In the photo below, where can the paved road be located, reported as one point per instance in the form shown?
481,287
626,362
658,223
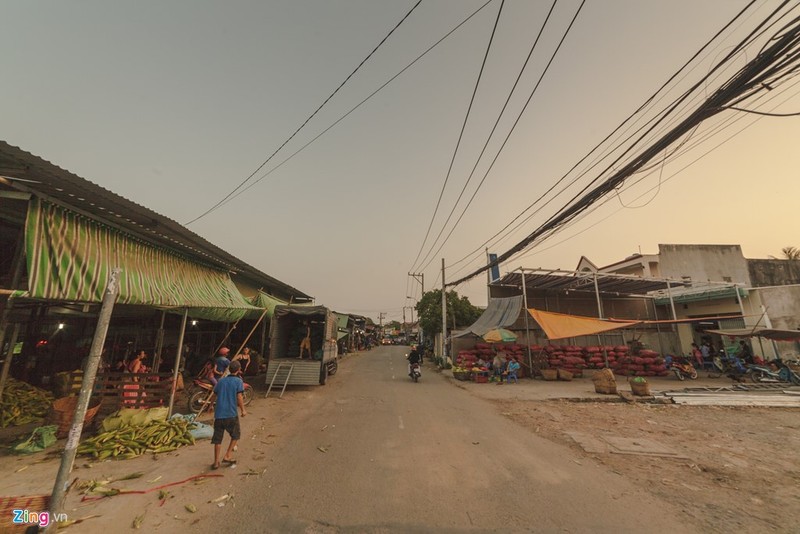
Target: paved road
400,456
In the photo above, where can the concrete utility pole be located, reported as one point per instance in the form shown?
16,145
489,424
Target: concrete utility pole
444,318
419,277
89,374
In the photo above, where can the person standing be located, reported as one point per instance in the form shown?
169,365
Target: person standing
697,355
229,393
305,345
498,366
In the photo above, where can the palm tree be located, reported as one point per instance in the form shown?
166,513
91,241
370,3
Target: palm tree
791,253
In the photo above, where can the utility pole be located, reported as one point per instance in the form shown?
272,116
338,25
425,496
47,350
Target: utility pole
419,277
89,374
380,322
444,319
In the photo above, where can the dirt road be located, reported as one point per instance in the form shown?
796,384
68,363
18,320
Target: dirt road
374,452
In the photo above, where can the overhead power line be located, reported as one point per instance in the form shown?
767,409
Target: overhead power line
511,131
226,197
488,139
479,249
777,62
460,135
365,100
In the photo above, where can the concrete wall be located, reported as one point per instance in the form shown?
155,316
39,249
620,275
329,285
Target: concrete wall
774,272
783,308
716,263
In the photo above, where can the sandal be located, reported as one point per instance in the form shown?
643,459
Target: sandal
214,467
233,461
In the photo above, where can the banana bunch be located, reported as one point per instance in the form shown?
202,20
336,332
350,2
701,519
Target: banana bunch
22,403
131,441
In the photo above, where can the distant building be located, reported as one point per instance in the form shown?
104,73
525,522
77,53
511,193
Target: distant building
707,279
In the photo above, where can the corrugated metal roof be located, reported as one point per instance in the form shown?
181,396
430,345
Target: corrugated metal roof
53,183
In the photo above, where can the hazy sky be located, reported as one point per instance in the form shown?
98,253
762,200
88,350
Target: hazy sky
172,104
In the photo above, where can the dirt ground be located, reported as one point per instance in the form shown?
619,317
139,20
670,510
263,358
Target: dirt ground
739,472
742,472
34,474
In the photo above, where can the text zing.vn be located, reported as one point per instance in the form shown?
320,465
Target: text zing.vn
42,519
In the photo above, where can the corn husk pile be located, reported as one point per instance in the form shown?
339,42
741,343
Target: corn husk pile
22,403
130,441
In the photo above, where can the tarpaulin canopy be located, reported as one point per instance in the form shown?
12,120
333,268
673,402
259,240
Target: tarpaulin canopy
263,301
70,258
560,325
499,313
773,334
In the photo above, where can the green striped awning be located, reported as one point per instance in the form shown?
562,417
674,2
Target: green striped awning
70,258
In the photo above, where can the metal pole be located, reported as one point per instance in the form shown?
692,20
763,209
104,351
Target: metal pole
527,328
768,323
89,374
444,319
422,277
739,300
600,316
658,328
177,365
10,355
671,302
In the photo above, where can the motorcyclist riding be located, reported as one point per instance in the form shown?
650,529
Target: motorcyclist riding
415,356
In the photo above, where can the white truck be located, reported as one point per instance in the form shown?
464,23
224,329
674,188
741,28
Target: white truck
290,362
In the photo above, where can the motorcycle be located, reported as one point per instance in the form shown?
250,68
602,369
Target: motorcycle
201,393
729,365
783,373
682,368
415,371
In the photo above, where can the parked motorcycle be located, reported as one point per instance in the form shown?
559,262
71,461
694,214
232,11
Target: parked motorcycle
682,368
729,365
781,373
201,393
415,371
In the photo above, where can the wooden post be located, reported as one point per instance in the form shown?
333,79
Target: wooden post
177,365
9,356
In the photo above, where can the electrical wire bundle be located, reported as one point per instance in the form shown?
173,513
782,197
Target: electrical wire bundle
775,64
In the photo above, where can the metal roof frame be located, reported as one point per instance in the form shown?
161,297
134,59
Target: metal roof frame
557,280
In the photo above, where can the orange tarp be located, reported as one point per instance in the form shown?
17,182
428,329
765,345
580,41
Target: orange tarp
560,326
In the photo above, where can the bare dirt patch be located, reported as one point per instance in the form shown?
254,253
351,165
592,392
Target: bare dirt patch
742,472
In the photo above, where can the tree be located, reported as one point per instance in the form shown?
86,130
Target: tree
791,253
394,325
429,311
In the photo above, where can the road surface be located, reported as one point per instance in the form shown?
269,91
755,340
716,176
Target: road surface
374,452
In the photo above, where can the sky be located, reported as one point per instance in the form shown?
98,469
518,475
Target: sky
174,104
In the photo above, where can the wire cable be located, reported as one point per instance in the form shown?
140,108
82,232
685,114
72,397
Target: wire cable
511,131
607,138
218,204
354,108
491,133
460,135
768,68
